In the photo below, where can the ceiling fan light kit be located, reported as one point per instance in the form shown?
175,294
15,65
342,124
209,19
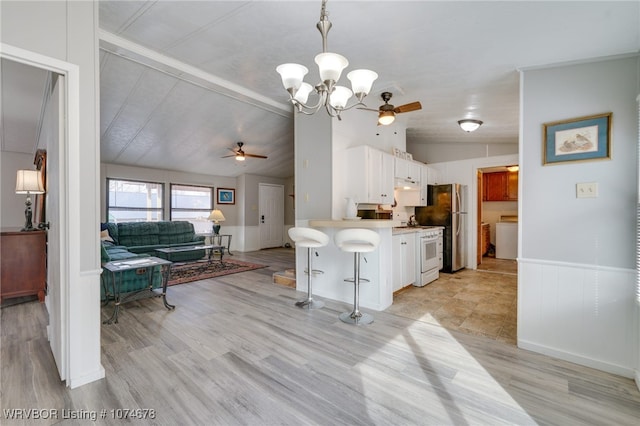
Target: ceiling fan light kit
240,155
469,125
333,97
387,112
386,117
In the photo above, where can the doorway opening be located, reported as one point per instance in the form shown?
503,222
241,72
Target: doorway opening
497,219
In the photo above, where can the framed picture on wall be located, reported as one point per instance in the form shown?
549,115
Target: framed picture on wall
577,139
226,196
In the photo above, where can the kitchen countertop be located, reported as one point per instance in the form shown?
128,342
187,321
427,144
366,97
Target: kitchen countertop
409,229
364,223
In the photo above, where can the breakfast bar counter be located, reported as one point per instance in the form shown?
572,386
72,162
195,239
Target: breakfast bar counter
377,294
365,223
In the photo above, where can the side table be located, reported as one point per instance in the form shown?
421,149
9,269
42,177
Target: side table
216,239
116,269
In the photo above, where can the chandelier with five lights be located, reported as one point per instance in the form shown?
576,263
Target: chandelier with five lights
330,95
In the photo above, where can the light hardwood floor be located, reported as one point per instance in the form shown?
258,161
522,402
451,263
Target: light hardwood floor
237,351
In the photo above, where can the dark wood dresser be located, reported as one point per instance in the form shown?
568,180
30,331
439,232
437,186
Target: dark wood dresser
23,260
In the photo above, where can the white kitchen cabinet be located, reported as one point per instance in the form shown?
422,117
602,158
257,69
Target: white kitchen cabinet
433,176
407,170
369,175
424,188
404,260
429,176
441,248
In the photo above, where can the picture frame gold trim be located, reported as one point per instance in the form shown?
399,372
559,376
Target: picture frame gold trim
577,139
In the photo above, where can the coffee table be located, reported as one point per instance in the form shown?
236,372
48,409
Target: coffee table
212,248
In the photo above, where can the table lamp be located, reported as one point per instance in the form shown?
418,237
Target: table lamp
28,182
216,216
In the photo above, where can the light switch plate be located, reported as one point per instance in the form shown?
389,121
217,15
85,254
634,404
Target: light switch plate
587,190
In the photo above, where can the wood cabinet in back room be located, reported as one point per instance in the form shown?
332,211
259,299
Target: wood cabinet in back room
500,186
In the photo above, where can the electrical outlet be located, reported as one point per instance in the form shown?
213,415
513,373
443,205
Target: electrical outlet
587,190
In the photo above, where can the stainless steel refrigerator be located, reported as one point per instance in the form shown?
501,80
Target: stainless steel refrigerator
447,206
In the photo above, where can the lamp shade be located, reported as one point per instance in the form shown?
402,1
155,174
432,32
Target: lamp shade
302,95
29,182
330,66
292,75
216,216
362,80
469,125
339,97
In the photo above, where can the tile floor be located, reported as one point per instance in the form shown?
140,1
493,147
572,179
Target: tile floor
481,302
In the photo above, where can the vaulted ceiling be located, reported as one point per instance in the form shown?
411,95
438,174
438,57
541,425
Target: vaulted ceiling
181,82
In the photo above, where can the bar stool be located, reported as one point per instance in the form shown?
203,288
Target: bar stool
311,239
356,241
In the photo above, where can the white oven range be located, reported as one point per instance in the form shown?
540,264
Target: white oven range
429,252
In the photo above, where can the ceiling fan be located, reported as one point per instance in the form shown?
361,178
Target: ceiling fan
241,155
387,112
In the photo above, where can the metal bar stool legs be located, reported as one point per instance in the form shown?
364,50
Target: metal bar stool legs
356,316
309,302
310,239
356,241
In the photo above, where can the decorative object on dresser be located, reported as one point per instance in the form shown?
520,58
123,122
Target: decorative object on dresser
216,216
29,182
23,264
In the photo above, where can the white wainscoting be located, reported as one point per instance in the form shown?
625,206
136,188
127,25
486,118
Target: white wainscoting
247,238
581,313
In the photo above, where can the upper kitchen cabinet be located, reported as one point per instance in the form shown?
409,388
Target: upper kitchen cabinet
429,176
407,170
500,186
369,175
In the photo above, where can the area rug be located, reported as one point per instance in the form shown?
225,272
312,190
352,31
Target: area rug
193,271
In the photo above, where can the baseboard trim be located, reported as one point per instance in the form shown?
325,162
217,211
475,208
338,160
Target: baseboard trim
87,378
581,360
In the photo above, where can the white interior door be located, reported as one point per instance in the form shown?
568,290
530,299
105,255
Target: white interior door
271,215
55,298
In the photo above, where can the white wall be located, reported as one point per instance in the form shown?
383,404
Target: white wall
167,177
435,152
65,31
576,256
241,218
313,166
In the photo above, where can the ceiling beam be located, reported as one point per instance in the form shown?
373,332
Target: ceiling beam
127,49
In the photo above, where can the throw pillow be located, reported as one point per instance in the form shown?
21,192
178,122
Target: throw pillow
104,236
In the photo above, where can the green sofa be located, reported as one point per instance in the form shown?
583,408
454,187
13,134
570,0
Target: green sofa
146,237
136,239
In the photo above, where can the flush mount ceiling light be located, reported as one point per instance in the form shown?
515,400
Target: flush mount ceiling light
333,97
469,125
